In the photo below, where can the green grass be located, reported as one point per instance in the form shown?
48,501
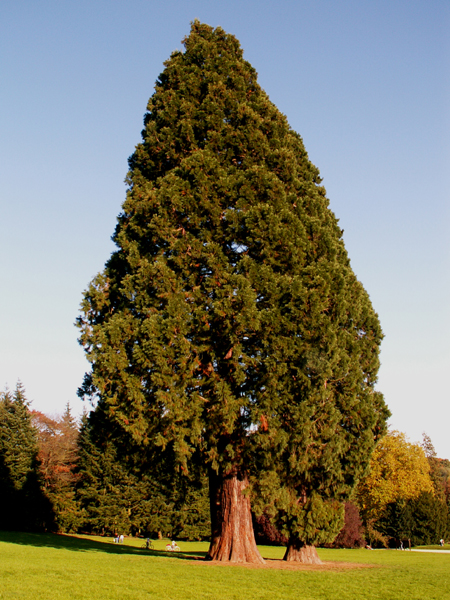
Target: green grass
55,567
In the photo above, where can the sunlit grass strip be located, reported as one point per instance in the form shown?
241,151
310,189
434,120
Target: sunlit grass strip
62,567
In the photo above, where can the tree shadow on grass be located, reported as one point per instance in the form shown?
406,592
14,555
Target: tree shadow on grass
78,544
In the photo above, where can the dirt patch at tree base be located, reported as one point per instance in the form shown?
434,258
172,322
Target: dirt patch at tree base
293,566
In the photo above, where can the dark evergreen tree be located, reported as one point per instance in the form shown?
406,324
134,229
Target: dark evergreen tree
423,520
397,522
228,325
110,498
23,506
430,519
122,490
190,515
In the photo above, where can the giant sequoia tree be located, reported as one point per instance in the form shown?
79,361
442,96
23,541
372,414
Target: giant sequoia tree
228,324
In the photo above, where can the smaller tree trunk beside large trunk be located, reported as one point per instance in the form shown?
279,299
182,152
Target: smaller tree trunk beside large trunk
298,551
232,536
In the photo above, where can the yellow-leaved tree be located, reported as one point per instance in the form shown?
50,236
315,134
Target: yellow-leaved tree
398,469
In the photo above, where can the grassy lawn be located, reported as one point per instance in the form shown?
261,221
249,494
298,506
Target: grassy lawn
55,567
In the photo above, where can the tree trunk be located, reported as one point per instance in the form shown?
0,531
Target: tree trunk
232,537
298,551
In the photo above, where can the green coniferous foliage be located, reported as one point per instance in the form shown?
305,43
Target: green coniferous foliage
122,490
23,506
431,516
423,520
190,517
228,324
106,492
397,522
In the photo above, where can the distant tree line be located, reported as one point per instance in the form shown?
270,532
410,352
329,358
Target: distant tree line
61,475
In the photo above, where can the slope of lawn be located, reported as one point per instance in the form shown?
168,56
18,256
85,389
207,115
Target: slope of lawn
91,568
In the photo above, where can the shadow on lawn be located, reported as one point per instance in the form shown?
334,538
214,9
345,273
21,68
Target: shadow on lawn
77,544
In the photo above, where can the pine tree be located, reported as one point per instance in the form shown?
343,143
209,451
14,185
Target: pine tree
122,490
421,520
228,325
190,515
106,492
22,503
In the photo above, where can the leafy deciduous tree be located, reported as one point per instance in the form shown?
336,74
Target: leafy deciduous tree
399,470
57,443
439,468
352,533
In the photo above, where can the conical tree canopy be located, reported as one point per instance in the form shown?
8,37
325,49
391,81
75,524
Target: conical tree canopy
228,323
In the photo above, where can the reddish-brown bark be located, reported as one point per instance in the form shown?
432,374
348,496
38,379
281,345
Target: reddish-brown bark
232,537
300,552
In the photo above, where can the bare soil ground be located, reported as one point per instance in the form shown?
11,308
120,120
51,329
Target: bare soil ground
292,566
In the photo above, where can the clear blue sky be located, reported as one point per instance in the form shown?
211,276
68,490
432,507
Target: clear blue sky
366,84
